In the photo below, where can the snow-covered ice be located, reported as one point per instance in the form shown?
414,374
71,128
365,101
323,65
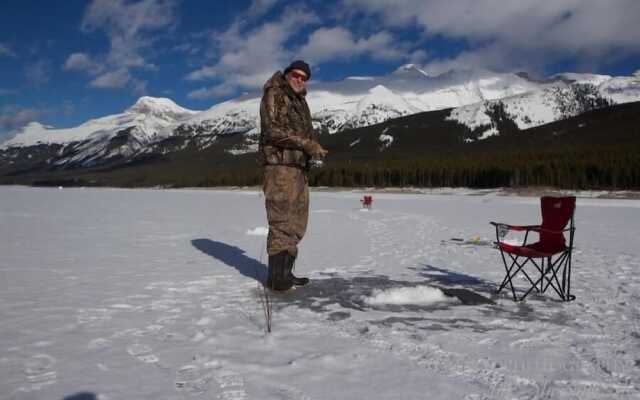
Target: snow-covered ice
258,231
155,294
407,295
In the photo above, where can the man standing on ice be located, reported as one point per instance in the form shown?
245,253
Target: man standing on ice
287,144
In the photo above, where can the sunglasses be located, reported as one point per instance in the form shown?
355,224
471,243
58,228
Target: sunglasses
298,75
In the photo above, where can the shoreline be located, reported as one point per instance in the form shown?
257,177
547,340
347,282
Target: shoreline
460,191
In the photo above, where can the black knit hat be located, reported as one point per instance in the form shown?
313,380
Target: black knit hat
301,65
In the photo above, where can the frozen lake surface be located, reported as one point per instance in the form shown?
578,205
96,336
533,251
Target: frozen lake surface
154,294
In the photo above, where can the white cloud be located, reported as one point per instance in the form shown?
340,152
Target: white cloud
418,56
126,23
327,44
112,80
215,91
119,79
517,31
13,118
206,72
492,57
82,62
248,57
129,27
260,7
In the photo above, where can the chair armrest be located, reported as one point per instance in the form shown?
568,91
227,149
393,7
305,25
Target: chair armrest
517,227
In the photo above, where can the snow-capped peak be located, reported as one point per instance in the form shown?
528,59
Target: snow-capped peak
379,105
149,116
381,95
35,126
159,106
354,102
380,90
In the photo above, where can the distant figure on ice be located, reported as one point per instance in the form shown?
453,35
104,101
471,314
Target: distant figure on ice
287,144
367,201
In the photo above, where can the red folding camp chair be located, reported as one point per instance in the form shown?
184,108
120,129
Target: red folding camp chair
557,213
367,201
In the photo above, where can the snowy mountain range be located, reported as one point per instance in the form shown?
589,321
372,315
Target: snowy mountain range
151,125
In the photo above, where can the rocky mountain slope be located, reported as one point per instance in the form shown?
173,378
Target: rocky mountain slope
483,103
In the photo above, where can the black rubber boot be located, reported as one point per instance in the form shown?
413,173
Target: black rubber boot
291,261
278,278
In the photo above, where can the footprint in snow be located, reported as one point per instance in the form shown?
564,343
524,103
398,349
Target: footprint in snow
229,379
38,371
287,393
232,384
142,352
99,344
193,379
233,395
93,316
38,364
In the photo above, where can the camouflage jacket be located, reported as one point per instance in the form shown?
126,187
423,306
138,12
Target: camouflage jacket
285,125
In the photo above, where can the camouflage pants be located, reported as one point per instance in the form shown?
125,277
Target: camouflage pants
286,193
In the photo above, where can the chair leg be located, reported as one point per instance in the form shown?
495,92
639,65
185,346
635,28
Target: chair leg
554,267
540,269
570,297
564,280
550,274
527,292
511,274
549,271
566,276
507,277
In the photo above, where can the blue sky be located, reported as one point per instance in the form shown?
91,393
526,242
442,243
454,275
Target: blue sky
64,62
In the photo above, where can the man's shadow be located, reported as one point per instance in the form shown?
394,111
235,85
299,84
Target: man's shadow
82,396
234,257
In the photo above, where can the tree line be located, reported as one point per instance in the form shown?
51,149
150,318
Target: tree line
603,168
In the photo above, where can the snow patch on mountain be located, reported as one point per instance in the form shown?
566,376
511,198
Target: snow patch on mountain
379,105
593,79
560,99
473,89
337,111
385,141
229,117
527,110
621,89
